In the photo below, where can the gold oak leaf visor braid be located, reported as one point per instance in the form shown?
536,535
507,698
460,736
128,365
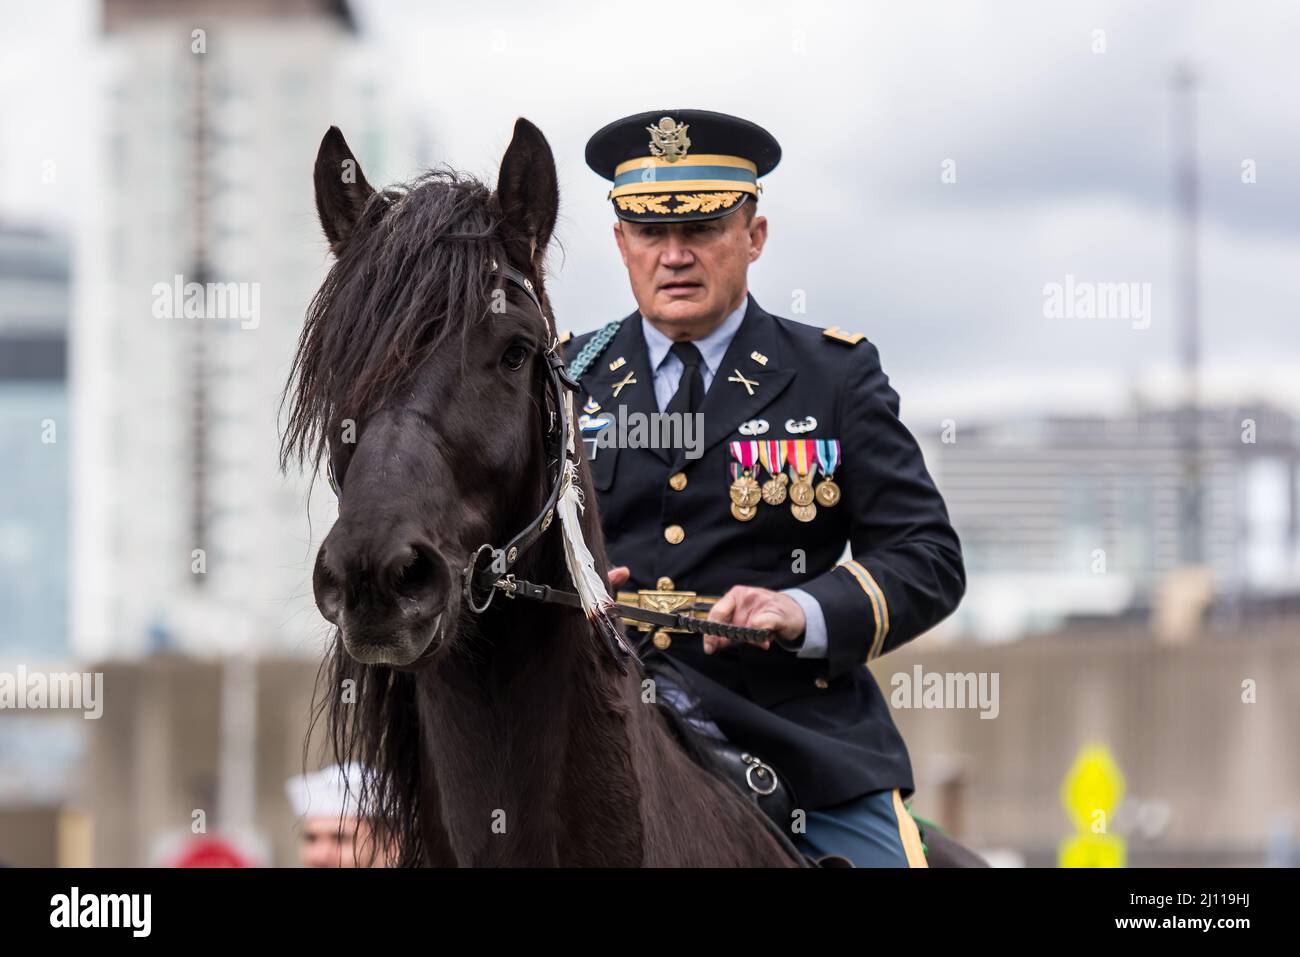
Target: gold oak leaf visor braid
650,188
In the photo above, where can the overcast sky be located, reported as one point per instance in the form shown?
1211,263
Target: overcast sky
1062,155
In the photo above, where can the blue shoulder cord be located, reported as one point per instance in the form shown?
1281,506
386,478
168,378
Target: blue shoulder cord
592,350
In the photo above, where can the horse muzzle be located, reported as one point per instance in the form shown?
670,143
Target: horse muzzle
391,604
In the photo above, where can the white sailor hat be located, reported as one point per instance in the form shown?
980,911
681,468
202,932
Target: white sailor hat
330,792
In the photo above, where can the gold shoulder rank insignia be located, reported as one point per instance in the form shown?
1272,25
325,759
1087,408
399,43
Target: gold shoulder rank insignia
565,336
839,335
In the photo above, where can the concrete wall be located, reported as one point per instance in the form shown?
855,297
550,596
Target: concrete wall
153,758
1222,774
1228,772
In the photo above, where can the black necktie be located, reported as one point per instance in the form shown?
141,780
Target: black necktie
690,390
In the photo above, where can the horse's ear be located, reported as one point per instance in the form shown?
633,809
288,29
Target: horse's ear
341,188
528,188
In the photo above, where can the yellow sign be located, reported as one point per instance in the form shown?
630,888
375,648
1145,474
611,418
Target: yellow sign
1092,850
1090,793
1093,783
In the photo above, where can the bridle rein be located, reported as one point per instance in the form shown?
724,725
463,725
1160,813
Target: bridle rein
489,568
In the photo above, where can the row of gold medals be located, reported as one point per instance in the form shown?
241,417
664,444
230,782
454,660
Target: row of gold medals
804,498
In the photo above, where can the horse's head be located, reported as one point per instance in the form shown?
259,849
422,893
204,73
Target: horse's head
419,374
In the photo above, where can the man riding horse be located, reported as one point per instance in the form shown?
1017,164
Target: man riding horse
801,453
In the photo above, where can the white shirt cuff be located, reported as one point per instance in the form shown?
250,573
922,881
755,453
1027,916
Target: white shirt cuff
814,634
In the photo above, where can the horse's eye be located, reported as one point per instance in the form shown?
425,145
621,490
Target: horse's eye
514,357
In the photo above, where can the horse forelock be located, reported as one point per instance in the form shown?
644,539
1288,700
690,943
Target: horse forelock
415,273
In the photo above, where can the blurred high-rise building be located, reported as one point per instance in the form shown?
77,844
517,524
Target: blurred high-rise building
35,435
1064,516
186,536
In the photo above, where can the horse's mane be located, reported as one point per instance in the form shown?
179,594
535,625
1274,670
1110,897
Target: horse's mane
378,727
412,273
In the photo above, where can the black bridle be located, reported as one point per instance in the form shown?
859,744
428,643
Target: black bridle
489,568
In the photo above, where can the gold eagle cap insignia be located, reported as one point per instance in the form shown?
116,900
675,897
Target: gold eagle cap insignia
669,140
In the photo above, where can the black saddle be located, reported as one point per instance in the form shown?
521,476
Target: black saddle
756,779
745,771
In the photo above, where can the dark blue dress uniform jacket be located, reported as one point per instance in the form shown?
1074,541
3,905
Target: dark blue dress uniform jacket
823,723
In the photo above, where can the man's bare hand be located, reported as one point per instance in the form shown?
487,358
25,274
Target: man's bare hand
756,608
619,576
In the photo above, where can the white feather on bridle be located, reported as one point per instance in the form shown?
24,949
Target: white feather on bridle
596,602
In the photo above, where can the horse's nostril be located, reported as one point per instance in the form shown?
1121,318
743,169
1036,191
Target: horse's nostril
413,573
327,588
406,585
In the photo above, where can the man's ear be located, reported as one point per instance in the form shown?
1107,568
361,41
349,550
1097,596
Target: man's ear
341,188
528,188
620,239
757,237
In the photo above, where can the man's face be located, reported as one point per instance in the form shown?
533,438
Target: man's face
331,842
687,277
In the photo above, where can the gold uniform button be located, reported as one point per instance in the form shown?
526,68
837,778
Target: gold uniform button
661,640
821,683
665,584
678,481
674,534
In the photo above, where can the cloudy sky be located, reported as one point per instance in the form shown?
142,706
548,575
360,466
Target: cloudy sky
1056,120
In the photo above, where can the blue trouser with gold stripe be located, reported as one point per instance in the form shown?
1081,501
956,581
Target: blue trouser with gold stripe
874,830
